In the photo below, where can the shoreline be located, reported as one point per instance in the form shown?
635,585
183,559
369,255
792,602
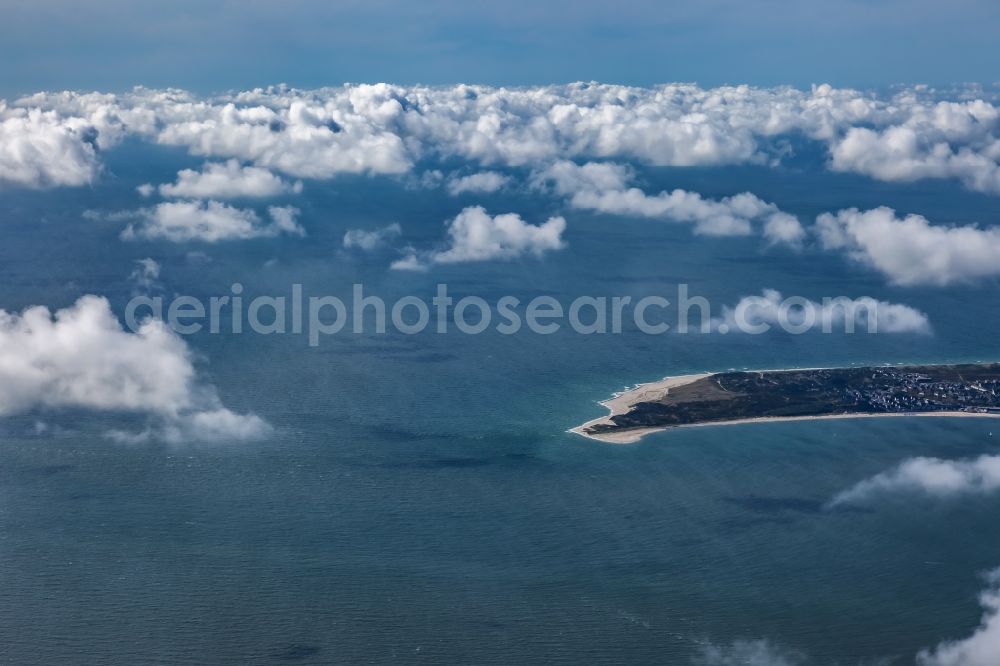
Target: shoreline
634,435
620,403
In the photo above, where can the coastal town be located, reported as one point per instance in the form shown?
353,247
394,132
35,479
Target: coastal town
892,391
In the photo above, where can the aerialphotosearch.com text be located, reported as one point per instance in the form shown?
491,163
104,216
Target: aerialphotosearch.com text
365,313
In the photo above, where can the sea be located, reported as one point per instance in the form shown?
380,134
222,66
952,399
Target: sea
420,500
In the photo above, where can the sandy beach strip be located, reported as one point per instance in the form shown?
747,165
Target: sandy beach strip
620,403
633,435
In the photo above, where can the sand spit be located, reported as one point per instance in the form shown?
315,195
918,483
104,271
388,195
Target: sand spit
620,403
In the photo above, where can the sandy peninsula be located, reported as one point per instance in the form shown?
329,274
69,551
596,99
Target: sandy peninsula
621,403
624,402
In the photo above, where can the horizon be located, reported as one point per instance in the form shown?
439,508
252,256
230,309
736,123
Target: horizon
219,45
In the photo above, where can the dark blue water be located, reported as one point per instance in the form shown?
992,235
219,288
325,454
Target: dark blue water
420,500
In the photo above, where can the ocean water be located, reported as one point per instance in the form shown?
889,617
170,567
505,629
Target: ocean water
421,501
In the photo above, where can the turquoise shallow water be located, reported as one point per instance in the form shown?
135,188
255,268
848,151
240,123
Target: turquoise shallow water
421,502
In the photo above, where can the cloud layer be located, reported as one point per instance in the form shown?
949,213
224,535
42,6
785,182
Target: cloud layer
80,357
50,138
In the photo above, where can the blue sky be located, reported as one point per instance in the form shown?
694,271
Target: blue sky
214,45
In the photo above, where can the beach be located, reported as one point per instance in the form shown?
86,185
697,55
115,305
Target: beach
620,403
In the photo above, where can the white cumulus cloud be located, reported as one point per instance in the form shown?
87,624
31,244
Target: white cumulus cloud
603,187
864,314
933,140
933,477
483,182
910,250
146,275
411,261
781,227
40,149
367,240
475,235
983,646
81,357
227,180
209,221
